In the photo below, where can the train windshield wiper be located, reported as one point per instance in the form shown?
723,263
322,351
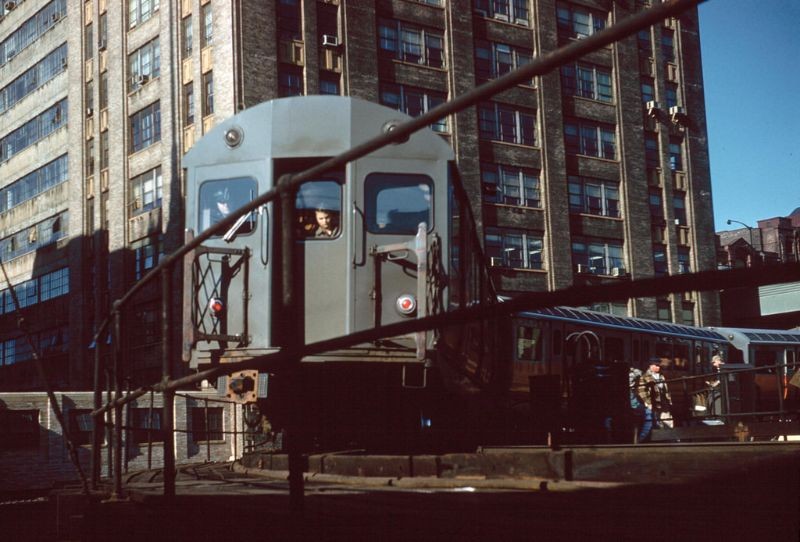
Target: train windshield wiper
231,233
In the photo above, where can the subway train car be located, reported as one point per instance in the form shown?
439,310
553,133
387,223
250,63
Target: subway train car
376,242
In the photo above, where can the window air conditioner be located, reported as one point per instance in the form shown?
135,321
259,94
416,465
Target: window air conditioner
140,80
583,268
676,110
101,45
652,105
617,271
330,41
89,111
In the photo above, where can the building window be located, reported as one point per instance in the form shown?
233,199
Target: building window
590,139
140,11
289,26
19,429
327,20
144,64
186,36
103,90
413,101
146,127
208,94
652,155
29,31
664,310
510,185
290,81
668,45
587,81
410,43
81,424
516,249
684,260
188,104
146,329
207,424
687,312
578,22
34,183
648,91
329,84
89,154
613,307
671,91
88,42
103,150
146,425
147,253
34,130
54,284
679,204
146,191
102,31
593,196
48,231
645,42
496,59
513,11
675,156
660,265
505,123
34,78
208,26
656,204
597,257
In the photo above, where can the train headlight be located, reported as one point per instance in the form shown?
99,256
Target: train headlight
406,304
216,306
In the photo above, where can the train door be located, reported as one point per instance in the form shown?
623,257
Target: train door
322,238
395,199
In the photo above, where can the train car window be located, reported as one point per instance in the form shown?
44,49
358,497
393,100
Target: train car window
735,355
219,198
766,359
398,203
319,210
614,349
529,343
680,359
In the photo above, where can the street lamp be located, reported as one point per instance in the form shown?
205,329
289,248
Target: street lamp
749,229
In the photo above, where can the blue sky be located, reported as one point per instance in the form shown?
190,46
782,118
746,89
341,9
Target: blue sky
751,71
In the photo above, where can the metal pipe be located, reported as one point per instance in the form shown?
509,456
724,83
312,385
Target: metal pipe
168,421
293,338
117,372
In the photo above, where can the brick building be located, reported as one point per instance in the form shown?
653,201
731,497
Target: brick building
773,240
596,172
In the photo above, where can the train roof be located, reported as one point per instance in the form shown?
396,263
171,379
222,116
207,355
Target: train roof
759,336
311,126
626,323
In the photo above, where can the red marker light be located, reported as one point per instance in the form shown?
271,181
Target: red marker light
406,304
216,306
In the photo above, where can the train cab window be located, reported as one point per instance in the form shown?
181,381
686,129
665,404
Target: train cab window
219,198
319,209
529,343
398,203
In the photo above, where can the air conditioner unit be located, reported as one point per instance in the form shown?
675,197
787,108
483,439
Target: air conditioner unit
10,5
676,110
137,203
101,45
140,80
330,41
583,268
652,105
89,111
617,271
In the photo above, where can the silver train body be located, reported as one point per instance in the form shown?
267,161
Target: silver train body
387,218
